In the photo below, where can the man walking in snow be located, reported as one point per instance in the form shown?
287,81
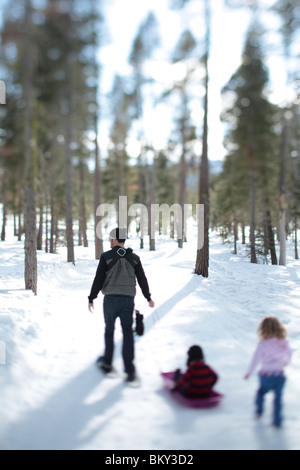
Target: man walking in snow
116,277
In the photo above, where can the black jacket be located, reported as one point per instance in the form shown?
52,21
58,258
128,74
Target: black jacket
117,272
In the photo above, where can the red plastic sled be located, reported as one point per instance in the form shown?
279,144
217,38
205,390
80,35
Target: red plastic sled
213,399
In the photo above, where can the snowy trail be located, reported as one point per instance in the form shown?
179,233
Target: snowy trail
53,397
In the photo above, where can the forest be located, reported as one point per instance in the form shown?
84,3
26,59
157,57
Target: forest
53,171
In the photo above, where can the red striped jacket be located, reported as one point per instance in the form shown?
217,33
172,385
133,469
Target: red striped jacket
197,381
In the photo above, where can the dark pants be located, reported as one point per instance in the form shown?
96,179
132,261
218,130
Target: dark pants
121,306
268,383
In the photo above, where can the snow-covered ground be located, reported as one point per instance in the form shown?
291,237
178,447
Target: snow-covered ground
53,396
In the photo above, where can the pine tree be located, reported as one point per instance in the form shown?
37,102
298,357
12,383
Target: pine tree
184,51
145,42
290,25
252,134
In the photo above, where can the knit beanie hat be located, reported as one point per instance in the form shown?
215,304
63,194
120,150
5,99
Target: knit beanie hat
195,353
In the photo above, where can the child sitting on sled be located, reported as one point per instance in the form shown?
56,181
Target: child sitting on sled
199,379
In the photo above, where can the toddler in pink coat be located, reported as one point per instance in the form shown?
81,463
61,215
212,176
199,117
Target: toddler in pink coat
272,354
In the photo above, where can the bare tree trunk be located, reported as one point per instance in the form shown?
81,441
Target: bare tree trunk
147,195
68,151
40,229
202,260
97,194
243,232
69,195
4,218
182,192
296,239
141,199
152,202
52,207
282,201
253,258
52,227
235,232
30,197
270,239
98,236
20,224
82,215
15,224
148,181
46,227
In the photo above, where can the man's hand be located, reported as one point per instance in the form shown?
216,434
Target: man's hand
91,307
151,303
